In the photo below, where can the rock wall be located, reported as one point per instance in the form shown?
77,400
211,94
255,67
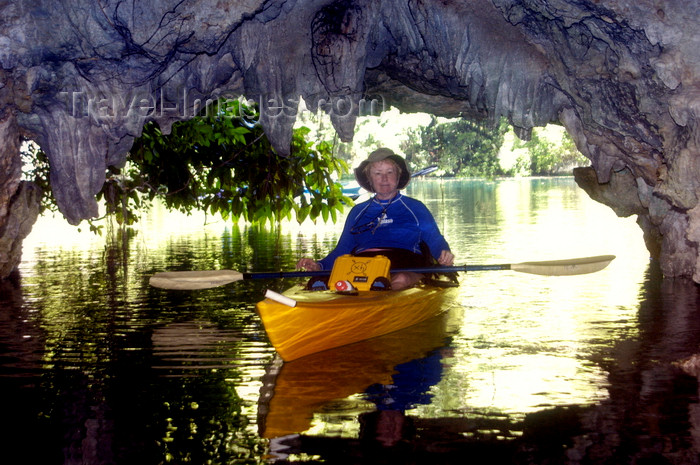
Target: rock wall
24,210
82,77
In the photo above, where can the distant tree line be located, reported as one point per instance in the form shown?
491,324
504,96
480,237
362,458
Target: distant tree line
461,148
546,158
465,148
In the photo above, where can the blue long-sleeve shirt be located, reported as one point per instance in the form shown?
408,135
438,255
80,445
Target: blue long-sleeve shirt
402,222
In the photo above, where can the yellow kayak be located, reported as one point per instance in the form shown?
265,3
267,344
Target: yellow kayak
321,320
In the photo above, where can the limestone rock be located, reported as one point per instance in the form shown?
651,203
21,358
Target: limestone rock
24,210
82,77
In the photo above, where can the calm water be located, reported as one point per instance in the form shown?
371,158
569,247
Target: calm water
96,367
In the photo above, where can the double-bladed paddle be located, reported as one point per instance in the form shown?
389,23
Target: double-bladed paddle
424,171
206,279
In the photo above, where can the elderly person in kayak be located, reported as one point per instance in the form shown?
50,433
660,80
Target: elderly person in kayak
389,223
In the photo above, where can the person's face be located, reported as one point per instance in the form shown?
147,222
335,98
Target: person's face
384,178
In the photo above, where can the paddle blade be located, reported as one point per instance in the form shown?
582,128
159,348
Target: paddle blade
190,280
568,267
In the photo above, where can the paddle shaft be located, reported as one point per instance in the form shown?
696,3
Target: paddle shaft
426,170
431,269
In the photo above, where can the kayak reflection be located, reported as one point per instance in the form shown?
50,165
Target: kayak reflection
388,373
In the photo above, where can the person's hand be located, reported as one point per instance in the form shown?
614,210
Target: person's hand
446,258
308,264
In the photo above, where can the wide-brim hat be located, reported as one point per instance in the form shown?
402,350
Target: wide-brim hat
379,155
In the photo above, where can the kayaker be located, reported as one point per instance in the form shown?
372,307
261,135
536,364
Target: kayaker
389,223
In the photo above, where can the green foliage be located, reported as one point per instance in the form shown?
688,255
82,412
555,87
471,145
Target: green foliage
321,129
467,148
221,162
412,148
545,158
569,153
36,169
460,148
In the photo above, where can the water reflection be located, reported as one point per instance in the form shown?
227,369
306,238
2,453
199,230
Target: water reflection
374,374
101,368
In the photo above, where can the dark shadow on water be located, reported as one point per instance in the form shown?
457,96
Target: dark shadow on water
21,346
88,375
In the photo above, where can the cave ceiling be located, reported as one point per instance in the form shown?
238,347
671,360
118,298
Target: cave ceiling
82,77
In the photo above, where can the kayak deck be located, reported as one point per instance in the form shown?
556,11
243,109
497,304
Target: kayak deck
323,320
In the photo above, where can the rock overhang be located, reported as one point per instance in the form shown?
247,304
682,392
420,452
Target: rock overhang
621,76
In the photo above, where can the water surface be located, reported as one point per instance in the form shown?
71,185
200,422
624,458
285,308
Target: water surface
98,367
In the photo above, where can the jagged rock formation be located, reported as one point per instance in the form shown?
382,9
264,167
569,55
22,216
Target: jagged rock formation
24,210
622,76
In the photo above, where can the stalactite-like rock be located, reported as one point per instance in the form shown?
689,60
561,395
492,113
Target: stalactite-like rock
81,78
24,210
10,165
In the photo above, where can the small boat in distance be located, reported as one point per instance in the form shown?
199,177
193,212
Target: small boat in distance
352,189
